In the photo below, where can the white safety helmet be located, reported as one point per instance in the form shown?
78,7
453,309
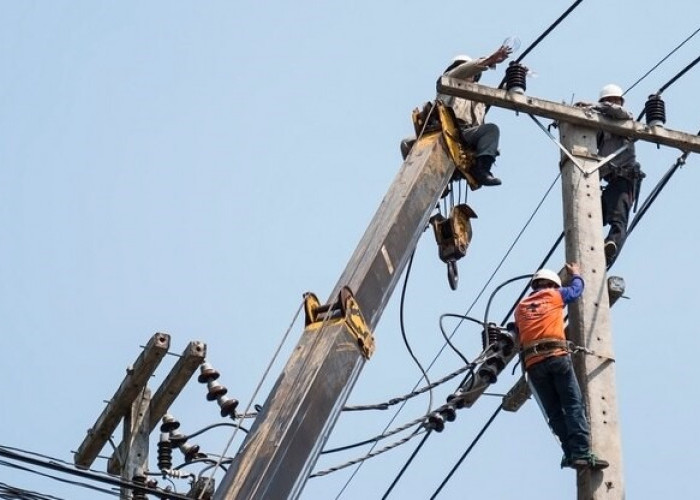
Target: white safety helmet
546,274
610,90
462,58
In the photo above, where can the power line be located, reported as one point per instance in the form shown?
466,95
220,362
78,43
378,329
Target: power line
661,61
678,75
56,465
680,161
468,450
673,80
546,32
56,478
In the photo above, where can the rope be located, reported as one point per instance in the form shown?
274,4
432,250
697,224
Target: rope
255,393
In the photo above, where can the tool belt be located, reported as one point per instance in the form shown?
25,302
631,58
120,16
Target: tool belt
543,347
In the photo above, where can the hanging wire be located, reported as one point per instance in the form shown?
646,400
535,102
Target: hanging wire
403,330
448,340
661,61
412,394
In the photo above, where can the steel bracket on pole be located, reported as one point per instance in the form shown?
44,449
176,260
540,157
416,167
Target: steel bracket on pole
345,310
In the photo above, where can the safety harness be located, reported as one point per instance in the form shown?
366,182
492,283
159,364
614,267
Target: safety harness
543,347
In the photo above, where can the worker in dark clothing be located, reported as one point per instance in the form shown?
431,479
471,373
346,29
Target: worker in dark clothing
477,135
623,174
544,350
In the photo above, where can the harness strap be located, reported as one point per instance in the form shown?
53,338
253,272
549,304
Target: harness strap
543,346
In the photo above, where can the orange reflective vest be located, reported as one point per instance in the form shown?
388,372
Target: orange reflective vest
539,317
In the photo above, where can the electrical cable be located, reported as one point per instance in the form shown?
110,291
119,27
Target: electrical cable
406,426
59,465
10,492
412,394
468,450
368,455
405,466
680,161
447,339
402,304
212,426
59,479
678,75
661,61
488,303
673,80
537,41
546,32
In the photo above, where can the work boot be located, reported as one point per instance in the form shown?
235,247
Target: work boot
590,461
481,171
610,249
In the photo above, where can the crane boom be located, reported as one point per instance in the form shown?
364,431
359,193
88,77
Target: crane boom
303,406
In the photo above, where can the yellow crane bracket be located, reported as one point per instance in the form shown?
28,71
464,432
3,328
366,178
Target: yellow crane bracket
462,157
345,310
436,117
453,234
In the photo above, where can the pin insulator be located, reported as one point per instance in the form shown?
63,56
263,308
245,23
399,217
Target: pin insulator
655,110
228,406
207,373
216,390
516,75
435,422
165,453
169,423
139,480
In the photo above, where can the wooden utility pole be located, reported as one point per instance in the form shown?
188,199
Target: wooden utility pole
589,317
135,463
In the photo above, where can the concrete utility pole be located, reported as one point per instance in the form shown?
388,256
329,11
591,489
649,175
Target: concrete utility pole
589,317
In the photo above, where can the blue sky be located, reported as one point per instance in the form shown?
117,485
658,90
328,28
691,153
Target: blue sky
195,167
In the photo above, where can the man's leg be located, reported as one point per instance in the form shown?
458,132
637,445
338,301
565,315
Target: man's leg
543,384
569,392
483,139
617,204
